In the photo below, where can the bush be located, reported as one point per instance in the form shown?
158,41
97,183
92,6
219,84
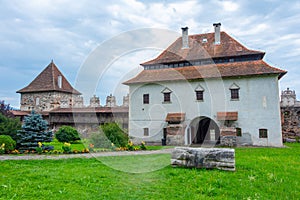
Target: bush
99,140
9,143
9,126
67,134
115,134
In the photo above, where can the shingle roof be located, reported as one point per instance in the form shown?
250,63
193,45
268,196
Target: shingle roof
91,110
175,117
202,50
232,69
47,80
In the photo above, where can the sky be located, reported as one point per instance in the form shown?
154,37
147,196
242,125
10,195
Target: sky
33,32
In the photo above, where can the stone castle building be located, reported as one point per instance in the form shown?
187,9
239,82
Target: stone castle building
290,115
51,95
49,90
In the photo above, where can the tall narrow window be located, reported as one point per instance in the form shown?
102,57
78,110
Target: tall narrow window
238,132
59,81
146,131
146,98
263,133
37,101
199,95
234,90
167,97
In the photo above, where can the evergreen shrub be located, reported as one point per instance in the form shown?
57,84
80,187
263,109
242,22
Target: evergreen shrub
9,143
67,134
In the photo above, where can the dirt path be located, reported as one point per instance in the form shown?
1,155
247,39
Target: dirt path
85,155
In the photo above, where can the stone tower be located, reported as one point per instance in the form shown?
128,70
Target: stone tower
49,90
110,101
95,101
288,98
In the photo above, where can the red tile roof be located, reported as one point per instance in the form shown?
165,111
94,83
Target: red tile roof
227,116
47,80
91,110
202,50
175,117
233,69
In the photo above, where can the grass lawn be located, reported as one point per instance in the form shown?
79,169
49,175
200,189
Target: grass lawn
78,145
262,173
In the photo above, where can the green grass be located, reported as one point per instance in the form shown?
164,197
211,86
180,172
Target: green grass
58,145
262,173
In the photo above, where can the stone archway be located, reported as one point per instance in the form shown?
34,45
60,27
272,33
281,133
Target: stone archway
204,130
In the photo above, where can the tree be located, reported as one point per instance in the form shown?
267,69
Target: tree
34,130
9,126
67,134
5,109
115,134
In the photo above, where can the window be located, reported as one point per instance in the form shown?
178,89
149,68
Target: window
37,101
59,81
234,90
238,132
146,98
199,95
146,131
234,94
263,133
167,97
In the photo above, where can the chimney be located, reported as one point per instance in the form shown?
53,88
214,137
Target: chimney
185,38
217,33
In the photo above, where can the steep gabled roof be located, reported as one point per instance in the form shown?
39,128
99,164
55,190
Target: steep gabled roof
47,81
202,46
222,70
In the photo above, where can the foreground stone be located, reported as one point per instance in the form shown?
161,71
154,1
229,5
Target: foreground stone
209,158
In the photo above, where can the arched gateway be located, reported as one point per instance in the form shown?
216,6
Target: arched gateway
203,130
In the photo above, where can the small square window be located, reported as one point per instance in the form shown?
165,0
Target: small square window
146,131
234,94
199,95
146,98
167,97
239,132
263,133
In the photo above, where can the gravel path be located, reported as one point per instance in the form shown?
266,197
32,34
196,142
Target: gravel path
85,155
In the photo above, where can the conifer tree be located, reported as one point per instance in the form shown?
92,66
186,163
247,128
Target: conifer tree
34,130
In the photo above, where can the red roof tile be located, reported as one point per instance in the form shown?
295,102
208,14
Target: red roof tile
175,117
227,116
202,50
47,80
233,69
91,110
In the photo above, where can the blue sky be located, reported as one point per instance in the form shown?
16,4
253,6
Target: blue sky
35,31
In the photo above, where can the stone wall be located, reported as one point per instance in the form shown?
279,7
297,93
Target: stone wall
209,158
46,101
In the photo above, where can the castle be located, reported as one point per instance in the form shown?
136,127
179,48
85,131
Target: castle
51,95
206,88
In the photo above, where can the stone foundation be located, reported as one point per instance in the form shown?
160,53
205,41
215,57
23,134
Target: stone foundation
209,158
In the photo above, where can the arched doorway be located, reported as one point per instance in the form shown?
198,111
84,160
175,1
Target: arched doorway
204,130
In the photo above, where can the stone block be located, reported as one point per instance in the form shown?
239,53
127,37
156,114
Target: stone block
209,158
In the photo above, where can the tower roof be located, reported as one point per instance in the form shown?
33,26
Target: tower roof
49,80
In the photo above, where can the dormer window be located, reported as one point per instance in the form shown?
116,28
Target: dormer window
59,81
199,93
234,91
167,95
